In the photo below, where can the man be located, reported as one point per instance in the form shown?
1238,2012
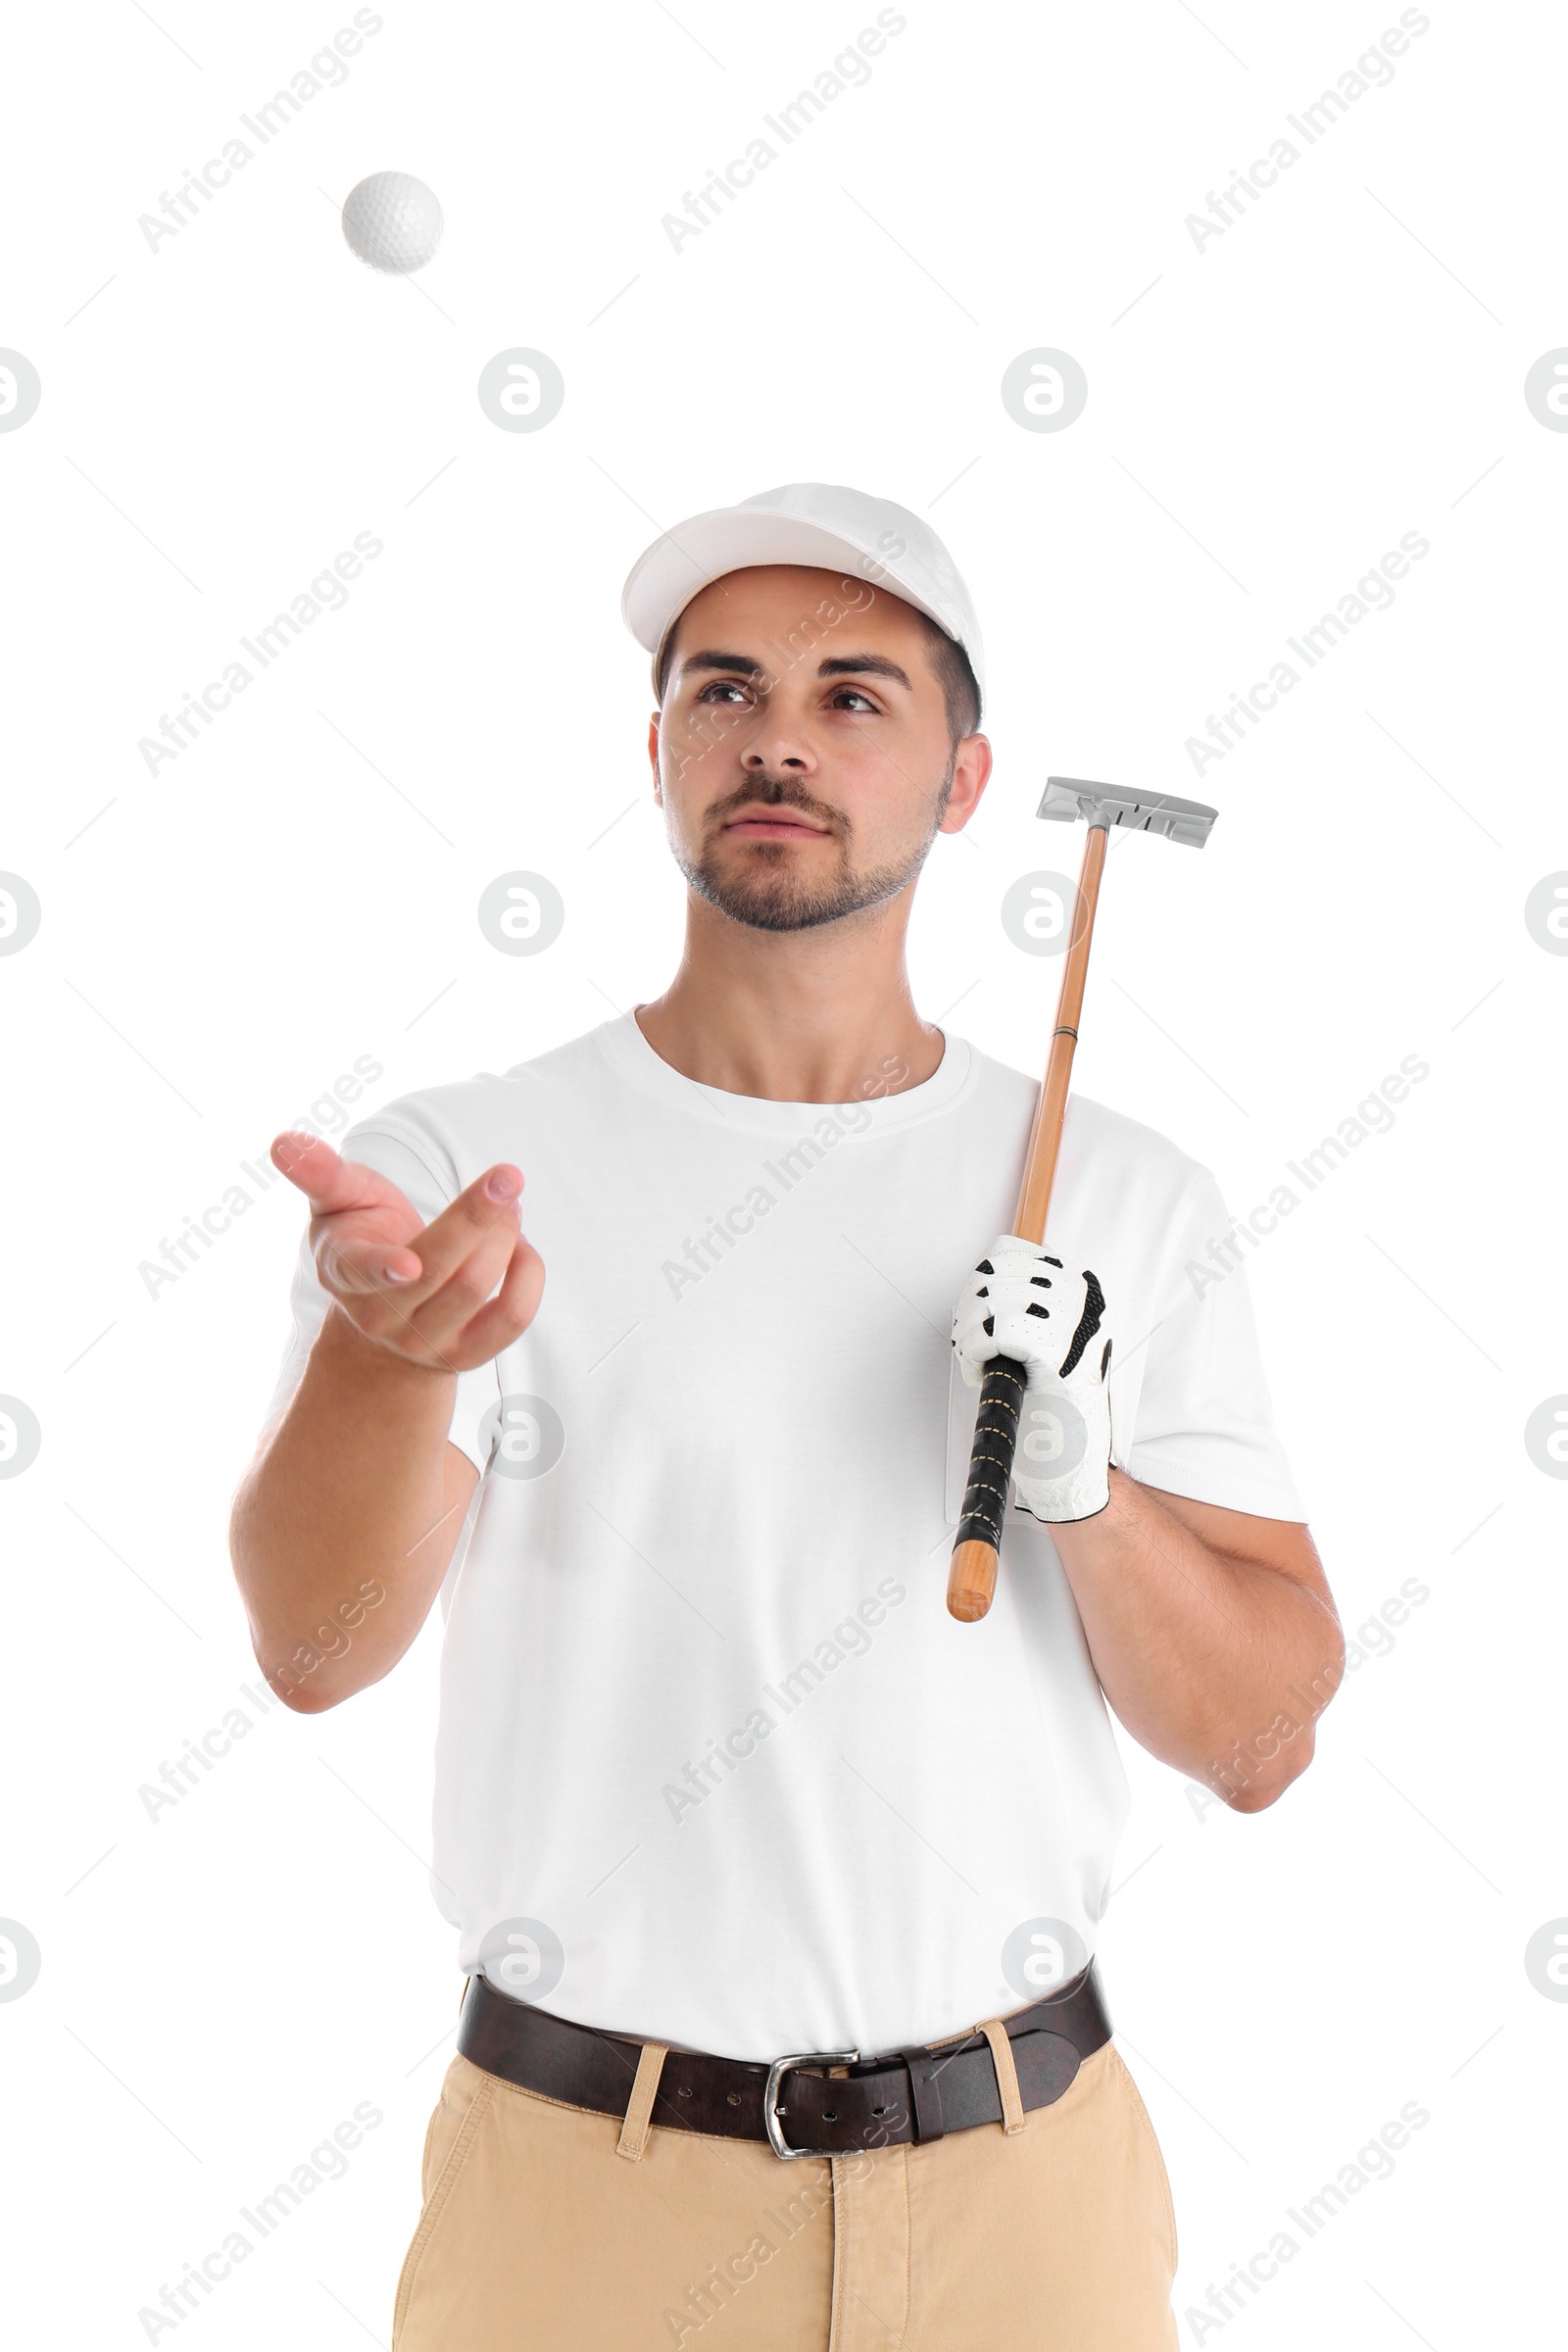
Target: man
719,1783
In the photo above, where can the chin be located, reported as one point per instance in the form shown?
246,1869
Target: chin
760,910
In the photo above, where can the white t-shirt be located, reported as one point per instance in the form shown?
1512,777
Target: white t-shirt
714,1766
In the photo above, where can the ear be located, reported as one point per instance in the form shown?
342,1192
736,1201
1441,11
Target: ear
971,772
653,757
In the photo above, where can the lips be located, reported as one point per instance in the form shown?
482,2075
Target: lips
772,824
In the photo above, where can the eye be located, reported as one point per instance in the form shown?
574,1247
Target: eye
847,695
725,686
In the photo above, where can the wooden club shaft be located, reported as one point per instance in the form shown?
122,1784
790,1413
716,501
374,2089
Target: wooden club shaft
973,1575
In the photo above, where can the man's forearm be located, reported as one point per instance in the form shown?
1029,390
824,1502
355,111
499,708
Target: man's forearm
1216,1664
343,1527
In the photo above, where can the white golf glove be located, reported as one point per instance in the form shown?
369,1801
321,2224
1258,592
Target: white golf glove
1022,1303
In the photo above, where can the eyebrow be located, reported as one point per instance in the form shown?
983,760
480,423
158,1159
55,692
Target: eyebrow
839,667
876,665
743,662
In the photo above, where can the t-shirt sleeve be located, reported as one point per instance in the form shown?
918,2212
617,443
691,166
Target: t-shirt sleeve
423,1169
1205,1425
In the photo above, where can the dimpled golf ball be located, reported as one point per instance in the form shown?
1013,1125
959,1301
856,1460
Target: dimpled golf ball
392,220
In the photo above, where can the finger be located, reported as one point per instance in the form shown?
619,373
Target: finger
327,1182
415,1267
338,1189
435,1318
489,1206
362,1269
507,1315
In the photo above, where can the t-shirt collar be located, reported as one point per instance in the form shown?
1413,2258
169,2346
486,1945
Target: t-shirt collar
634,1059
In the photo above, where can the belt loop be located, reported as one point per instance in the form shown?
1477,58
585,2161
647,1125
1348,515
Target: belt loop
640,2106
995,2033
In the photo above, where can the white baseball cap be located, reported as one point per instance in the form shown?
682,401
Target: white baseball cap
821,523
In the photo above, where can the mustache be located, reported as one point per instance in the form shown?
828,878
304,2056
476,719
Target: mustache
775,792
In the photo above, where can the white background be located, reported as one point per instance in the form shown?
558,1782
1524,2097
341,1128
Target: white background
220,941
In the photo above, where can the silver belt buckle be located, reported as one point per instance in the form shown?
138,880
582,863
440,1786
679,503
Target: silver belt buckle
775,2077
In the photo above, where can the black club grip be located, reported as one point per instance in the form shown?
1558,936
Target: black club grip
996,1439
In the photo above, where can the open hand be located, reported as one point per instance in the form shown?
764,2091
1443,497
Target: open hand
421,1291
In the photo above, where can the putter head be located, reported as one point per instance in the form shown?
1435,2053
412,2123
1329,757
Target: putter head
1070,798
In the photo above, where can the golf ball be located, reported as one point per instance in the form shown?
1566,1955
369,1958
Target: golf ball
392,220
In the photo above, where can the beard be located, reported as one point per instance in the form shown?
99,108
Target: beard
759,887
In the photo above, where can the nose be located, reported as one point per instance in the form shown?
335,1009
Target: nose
778,748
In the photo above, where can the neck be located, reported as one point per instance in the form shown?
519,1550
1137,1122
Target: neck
795,1016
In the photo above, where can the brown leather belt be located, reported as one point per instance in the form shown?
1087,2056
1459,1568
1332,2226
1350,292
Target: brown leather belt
914,2095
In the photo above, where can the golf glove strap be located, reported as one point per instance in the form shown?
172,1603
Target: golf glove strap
1023,1304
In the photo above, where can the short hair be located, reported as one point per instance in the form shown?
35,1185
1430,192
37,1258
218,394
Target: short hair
955,673
961,688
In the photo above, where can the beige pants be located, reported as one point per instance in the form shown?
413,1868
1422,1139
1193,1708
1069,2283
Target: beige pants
548,2229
